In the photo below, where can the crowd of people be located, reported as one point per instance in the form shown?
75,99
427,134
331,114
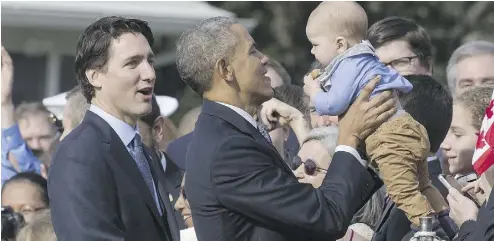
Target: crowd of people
371,148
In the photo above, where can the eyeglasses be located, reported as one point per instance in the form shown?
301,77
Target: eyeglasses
310,167
401,62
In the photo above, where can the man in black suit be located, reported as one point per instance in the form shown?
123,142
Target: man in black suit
432,106
103,183
280,80
152,131
237,185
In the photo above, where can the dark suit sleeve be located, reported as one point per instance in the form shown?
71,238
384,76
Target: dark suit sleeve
246,180
483,228
81,200
467,231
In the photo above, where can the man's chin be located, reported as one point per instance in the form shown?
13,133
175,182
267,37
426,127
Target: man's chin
145,109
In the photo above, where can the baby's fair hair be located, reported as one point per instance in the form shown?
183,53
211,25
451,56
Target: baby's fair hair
345,19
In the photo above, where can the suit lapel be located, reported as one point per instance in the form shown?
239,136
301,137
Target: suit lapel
125,160
260,138
229,115
119,153
161,183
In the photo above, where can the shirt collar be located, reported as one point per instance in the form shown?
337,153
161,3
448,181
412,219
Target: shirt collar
242,113
125,131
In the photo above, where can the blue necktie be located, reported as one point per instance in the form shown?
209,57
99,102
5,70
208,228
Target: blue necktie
143,165
264,132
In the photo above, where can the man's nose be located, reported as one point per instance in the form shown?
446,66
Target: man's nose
147,72
445,146
264,59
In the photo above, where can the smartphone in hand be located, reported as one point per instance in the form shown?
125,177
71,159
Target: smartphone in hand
451,182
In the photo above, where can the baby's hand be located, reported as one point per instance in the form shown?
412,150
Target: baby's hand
311,86
315,73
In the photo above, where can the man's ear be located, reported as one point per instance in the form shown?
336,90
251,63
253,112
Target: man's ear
158,129
92,76
225,70
341,44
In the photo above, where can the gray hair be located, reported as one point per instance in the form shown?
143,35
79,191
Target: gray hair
77,105
200,47
327,136
470,49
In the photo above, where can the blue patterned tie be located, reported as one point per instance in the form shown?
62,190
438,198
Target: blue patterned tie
264,132
143,165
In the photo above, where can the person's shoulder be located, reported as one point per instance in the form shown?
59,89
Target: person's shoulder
82,143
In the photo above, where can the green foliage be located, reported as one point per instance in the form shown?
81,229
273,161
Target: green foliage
281,29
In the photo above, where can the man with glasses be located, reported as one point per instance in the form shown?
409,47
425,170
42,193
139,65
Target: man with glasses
403,45
28,132
470,65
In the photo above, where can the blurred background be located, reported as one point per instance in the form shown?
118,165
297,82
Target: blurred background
41,36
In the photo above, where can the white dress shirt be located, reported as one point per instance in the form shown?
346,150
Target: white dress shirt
251,120
163,161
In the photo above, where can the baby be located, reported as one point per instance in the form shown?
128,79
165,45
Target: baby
400,146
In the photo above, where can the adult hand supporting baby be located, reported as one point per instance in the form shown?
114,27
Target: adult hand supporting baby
365,115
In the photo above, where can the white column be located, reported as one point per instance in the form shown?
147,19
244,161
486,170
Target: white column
53,72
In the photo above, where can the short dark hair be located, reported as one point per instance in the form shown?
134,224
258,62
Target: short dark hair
397,28
31,178
154,114
430,104
292,95
476,100
279,69
93,47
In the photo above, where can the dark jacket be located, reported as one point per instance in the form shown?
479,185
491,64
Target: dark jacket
239,188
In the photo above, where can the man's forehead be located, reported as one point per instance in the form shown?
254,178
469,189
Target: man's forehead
394,50
130,44
35,119
242,33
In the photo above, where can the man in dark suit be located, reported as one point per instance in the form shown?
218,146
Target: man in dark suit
237,185
152,132
432,106
103,183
